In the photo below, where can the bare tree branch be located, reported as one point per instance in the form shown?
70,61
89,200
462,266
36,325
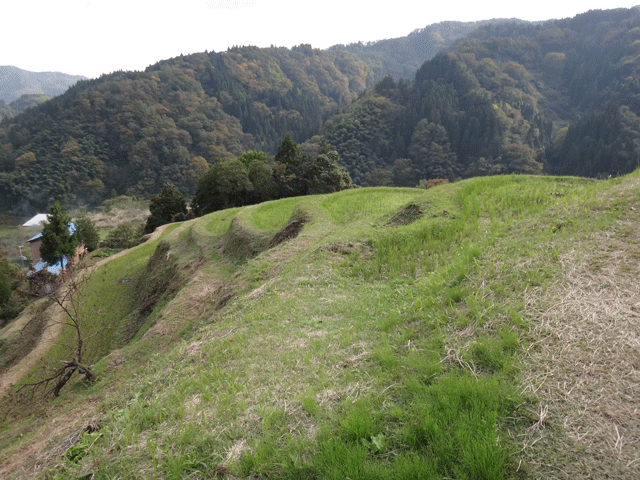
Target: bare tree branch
68,298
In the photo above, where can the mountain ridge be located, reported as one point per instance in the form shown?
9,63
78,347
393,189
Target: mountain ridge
412,50
15,82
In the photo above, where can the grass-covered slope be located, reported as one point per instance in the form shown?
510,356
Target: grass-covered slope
482,329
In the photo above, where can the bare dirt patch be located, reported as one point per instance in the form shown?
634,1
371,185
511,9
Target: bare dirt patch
408,214
236,451
289,231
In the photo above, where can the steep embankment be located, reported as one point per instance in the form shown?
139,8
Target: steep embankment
50,332
403,332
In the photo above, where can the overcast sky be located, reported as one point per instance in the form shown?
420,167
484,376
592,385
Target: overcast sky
92,37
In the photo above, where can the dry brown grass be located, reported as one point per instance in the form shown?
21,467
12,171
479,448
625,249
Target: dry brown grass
585,367
50,440
116,216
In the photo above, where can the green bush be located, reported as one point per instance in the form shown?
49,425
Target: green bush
87,233
164,207
125,235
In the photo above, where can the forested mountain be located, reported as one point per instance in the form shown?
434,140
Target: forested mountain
131,132
21,89
401,57
15,82
509,98
27,100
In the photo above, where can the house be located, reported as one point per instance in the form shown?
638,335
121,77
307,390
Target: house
41,267
39,219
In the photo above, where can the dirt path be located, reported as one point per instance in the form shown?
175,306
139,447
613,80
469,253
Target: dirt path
50,334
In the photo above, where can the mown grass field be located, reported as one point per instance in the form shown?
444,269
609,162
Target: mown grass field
404,333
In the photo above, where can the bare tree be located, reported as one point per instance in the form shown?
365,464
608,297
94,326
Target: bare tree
68,298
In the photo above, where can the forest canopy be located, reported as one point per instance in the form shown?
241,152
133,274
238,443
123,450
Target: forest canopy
561,97
132,132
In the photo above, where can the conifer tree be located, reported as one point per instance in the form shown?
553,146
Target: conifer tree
287,170
58,236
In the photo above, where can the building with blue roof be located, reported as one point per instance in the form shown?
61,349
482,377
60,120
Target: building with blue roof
38,264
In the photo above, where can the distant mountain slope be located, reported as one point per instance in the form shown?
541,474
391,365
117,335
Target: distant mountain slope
131,132
508,98
25,101
15,82
401,57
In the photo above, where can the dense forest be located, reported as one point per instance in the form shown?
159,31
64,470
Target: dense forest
560,97
132,132
401,57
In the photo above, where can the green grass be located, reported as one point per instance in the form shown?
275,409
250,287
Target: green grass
369,203
218,222
273,215
359,350
106,305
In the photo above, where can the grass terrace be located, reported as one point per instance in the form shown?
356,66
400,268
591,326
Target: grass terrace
476,330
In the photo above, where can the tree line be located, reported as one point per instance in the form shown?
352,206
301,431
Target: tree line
249,179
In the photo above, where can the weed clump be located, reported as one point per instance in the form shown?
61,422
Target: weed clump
408,214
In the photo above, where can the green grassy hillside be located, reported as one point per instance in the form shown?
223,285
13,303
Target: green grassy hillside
483,329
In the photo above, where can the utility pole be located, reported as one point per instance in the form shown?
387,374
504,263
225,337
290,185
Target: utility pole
22,257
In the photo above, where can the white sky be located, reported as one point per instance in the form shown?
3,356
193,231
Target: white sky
91,37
